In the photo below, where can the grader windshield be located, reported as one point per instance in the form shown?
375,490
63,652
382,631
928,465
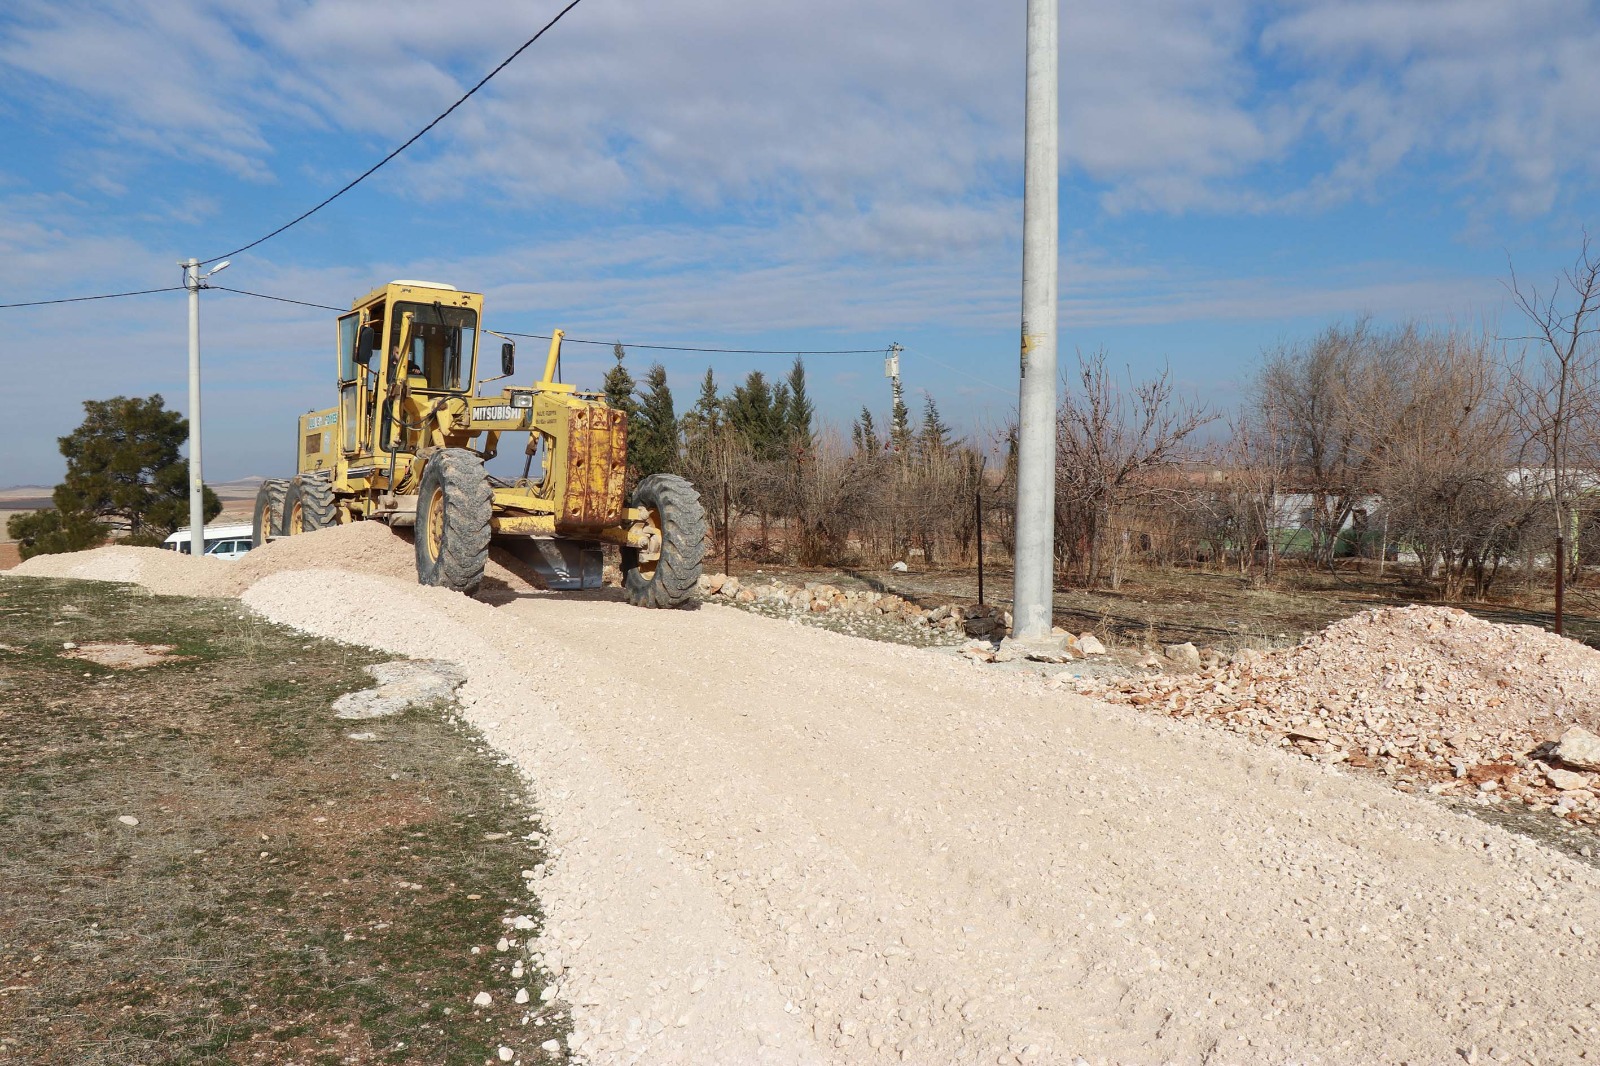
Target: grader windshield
443,343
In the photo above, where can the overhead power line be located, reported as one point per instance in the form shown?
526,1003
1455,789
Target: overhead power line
277,299
723,351
413,140
81,299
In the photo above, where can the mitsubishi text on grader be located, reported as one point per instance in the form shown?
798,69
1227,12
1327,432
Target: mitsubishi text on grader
407,443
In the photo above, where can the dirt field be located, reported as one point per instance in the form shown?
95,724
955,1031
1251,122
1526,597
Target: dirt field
1222,610
198,863
772,843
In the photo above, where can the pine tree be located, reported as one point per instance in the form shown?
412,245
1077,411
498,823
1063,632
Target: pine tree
123,466
653,434
864,434
753,413
618,386
49,532
707,415
900,437
800,411
934,438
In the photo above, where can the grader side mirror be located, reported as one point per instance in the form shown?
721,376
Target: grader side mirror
508,358
365,342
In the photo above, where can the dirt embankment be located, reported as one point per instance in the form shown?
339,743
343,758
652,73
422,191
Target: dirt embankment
363,548
777,844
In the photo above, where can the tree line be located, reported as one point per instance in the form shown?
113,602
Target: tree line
812,497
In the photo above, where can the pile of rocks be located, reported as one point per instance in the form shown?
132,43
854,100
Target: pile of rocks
819,598
1062,647
1433,697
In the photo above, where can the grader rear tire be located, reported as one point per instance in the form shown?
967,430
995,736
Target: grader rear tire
675,509
268,515
454,506
308,505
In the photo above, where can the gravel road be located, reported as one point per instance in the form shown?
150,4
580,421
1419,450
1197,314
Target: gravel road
778,844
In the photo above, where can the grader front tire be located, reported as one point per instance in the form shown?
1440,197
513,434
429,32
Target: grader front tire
675,509
308,505
267,519
454,506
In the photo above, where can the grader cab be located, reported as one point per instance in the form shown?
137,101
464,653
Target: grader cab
409,438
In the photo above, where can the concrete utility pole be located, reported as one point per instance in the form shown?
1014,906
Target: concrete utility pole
1036,434
193,281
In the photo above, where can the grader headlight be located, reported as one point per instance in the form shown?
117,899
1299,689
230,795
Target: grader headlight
522,399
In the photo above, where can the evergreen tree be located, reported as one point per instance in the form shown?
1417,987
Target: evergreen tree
123,466
706,416
934,438
900,438
50,531
800,411
864,434
653,435
618,386
755,412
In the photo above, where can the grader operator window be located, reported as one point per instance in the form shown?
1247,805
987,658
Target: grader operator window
443,343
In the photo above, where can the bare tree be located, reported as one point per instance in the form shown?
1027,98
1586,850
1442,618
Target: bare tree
1112,443
1554,388
1335,402
1442,474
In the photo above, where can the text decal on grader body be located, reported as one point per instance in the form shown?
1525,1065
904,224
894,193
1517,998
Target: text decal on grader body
408,443
501,413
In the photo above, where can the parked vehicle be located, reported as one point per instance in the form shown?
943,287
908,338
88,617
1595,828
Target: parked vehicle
222,542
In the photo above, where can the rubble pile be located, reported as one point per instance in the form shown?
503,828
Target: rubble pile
815,597
1433,697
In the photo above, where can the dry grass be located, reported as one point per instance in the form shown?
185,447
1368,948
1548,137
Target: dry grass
288,895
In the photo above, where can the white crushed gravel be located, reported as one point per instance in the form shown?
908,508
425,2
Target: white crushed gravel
776,844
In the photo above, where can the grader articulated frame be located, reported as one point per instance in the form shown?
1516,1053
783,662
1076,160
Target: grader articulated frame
407,443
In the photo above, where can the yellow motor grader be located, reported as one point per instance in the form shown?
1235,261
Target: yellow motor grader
407,443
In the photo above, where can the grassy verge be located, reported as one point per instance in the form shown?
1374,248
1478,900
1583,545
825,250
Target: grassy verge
287,894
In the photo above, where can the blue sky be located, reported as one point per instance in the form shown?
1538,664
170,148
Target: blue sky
766,174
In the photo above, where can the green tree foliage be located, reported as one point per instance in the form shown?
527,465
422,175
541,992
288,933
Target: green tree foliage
653,436
758,413
619,385
49,532
800,410
864,435
705,419
935,439
123,469
900,435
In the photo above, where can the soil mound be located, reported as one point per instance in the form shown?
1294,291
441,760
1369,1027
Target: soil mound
360,548
1430,692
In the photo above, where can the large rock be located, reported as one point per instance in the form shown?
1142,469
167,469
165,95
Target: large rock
1090,645
1565,780
401,686
899,568
1578,748
1185,654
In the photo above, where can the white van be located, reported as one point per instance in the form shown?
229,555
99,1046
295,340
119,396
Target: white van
222,542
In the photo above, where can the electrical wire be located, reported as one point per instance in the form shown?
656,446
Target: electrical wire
574,340
81,299
414,138
277,299
722,351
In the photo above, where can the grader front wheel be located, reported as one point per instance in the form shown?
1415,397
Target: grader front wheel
676,514
453,511
308,506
